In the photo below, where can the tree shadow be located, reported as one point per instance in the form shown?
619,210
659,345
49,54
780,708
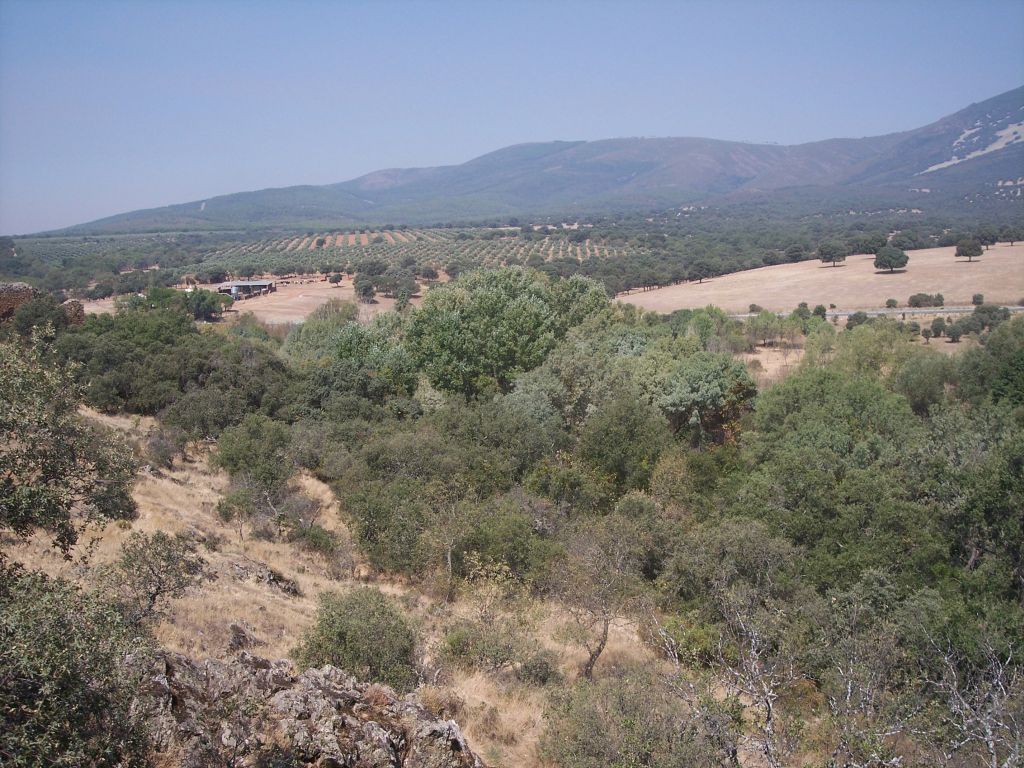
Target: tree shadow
830,266
890,272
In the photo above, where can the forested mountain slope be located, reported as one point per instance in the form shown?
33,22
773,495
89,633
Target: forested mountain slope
975,154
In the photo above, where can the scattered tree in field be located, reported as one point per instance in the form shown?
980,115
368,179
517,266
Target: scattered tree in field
891,258
765,327
832,252
969,249
927,334
820,311
57,473
978,299
364,288
335,278
891,303
938,327
700,270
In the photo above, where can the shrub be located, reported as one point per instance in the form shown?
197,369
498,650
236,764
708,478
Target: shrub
364,633
857,318
66,693
538,669
476,645
926,300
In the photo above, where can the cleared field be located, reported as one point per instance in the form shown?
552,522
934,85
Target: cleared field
292,303
998,274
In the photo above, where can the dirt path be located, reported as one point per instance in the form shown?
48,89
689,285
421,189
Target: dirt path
998,274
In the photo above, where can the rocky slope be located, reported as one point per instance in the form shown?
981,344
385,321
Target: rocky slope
249,711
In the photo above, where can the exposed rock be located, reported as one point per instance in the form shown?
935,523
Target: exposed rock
253,570
73,311
257,713
242,638
13,295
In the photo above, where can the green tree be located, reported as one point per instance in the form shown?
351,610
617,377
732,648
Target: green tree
969,249
832,252
257,450
151,571
708,392
891,258
623,438
365,634
65,688
57,472
477,333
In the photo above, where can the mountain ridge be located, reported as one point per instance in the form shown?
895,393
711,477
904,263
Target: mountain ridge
971,154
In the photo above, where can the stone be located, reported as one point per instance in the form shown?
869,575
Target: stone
256,712
13,295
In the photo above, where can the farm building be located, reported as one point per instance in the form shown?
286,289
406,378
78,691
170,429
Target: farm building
243,289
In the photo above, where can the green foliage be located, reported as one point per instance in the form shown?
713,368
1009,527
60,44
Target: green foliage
968,249
626,722
365,634
151,571
257,450
41,312
891,258
832,252
707,392
65,686
57,472
476,334
623,438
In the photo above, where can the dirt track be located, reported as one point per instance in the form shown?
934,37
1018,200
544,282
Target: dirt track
998,274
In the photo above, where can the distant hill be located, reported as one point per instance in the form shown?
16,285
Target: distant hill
976,154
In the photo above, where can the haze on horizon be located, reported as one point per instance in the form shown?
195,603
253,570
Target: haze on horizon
110,106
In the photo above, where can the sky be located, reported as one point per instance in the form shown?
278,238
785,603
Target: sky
107,107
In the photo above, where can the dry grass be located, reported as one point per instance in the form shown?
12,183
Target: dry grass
502,717
998,274
291,303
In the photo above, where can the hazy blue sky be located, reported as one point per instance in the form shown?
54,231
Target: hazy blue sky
112,106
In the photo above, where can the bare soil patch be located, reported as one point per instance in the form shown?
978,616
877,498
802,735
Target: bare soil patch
998,274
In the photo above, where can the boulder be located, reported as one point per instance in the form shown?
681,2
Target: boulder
13,295
256,712
73,311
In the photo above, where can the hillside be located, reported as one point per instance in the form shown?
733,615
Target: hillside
975,154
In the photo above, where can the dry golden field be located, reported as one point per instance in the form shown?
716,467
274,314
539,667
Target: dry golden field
998,274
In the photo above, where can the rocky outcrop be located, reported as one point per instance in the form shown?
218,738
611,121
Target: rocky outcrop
261,573
253,712
13,295
73,311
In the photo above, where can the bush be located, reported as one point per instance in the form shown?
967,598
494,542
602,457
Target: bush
476,645
631,721
66,693
926,300
364,633
538,669
857,318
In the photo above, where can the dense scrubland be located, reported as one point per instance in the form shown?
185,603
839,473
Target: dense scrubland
591,511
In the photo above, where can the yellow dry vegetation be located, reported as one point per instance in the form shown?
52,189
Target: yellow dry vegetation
502,717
